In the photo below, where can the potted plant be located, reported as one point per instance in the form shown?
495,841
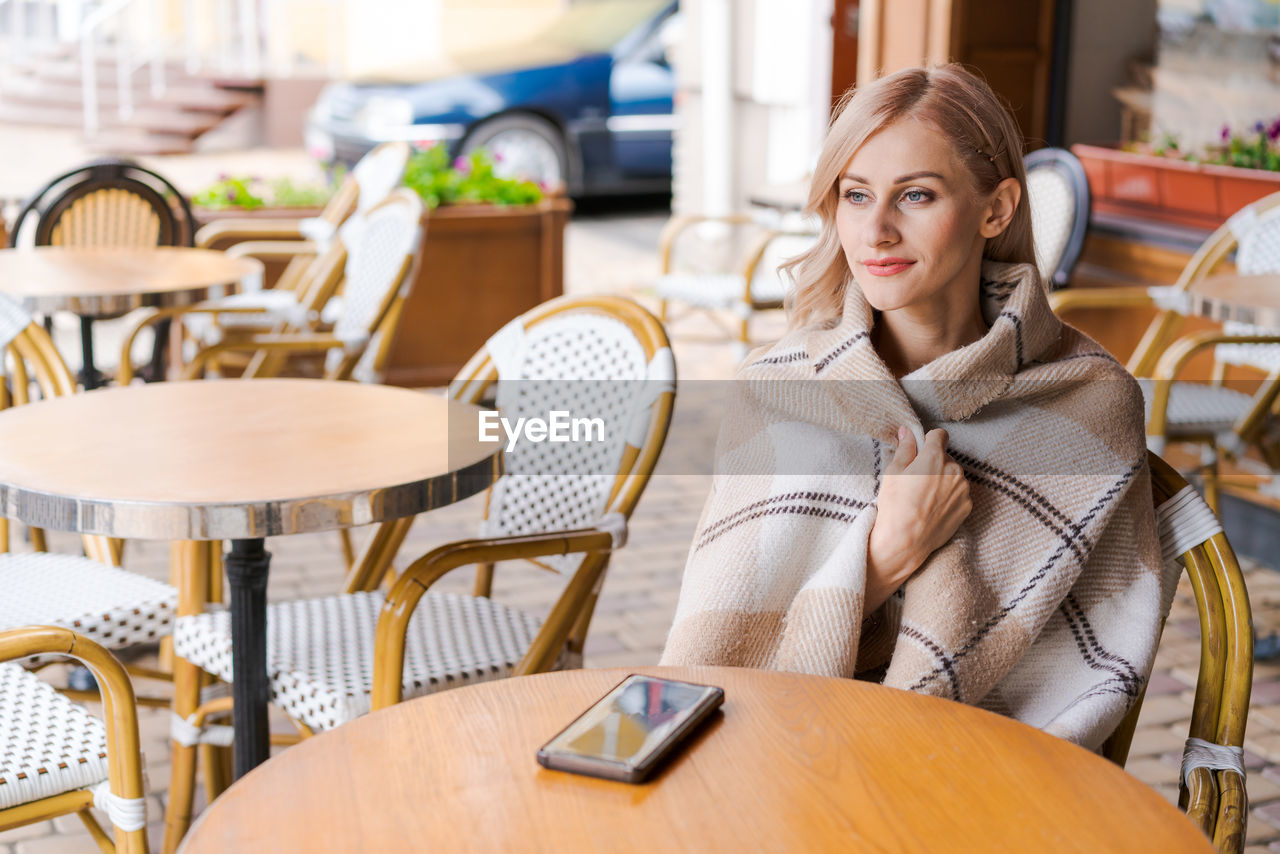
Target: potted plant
1198,189
241,195
493,249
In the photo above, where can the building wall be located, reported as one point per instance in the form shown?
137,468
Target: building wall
1105,35
780,81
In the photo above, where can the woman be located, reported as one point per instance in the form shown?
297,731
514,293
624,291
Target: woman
930,478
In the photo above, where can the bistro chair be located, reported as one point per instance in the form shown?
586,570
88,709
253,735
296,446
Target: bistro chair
1220,419
564,507
735,270
104,204
294,241
90,595
1212,790
57,759
1058,193
370,259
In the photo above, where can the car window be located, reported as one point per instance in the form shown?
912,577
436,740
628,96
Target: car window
595,26
654,47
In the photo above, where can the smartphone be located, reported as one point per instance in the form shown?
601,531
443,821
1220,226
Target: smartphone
632,729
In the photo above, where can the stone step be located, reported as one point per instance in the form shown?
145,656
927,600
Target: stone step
125,141
201,98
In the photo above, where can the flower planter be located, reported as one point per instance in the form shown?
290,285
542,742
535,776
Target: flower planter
1147,186
271,269
480,266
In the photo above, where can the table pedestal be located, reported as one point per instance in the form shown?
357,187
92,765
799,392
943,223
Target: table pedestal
246,567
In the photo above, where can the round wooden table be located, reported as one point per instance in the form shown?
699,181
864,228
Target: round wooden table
795,763
1245,299
238,460
102,283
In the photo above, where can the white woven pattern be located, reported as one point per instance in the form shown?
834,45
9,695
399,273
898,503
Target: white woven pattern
277,307
128,814
376,250
320,651
1053,213
1185,521
590,366
48,745
1258,252
1196,409
110,605
13,319
378,173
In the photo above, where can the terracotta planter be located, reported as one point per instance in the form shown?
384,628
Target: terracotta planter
480,266
1167,190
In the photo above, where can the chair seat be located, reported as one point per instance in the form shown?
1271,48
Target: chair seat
1197,410
114,607
48,744
277,306
320,651
718,290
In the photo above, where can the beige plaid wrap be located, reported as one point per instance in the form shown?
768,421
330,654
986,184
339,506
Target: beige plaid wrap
1046,604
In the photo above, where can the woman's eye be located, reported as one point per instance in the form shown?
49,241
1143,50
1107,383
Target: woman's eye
916,196
856,196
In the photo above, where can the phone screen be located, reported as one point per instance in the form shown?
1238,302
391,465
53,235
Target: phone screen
633,720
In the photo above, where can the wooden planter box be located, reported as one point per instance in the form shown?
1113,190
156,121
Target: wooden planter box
1161,188
480,266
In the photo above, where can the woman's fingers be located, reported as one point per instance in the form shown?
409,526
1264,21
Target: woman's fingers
906,452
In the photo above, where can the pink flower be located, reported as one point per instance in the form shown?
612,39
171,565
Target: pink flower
497,157
461,164
1226,133
423,144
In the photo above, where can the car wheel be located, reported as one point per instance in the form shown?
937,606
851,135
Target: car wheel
523,147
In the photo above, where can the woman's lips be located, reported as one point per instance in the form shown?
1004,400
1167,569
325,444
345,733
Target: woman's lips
887,266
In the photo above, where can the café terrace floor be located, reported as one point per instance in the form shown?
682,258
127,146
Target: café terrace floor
611,252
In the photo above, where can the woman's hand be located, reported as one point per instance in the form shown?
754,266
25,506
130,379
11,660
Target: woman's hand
923,499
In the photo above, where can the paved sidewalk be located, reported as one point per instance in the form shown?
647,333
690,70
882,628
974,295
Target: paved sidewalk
611,253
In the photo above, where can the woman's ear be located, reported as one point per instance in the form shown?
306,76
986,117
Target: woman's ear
999,211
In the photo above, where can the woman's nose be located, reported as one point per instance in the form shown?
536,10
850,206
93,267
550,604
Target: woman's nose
880,229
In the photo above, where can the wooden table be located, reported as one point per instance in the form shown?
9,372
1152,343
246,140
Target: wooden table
796,763
102,283
238,460
1245,299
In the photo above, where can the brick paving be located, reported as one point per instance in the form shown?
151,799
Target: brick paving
611,252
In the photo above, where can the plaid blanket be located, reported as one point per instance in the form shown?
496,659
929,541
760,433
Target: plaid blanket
1046,604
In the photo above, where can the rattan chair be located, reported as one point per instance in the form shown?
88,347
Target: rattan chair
90,595
1213,779
370,259
104,204
55,758
1220,419
1058,193
735,270
297,242
565,507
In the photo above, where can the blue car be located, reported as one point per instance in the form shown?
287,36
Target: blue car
587,103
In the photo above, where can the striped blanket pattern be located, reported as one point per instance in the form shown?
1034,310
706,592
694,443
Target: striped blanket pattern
1046,604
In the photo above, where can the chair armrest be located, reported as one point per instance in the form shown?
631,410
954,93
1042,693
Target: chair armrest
1070,299
756,255
393,622
677,224
272,342
1175,358
273,250
124,766
151,316
242,229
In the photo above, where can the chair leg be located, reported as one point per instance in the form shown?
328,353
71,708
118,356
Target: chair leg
348,549
1212,492
484,579
182,779
662,310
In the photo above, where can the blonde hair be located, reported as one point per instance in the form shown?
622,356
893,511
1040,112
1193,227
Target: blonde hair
964,109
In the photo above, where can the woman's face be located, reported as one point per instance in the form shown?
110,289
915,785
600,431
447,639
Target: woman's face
910,220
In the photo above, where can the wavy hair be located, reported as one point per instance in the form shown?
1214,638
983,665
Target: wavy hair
963,109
